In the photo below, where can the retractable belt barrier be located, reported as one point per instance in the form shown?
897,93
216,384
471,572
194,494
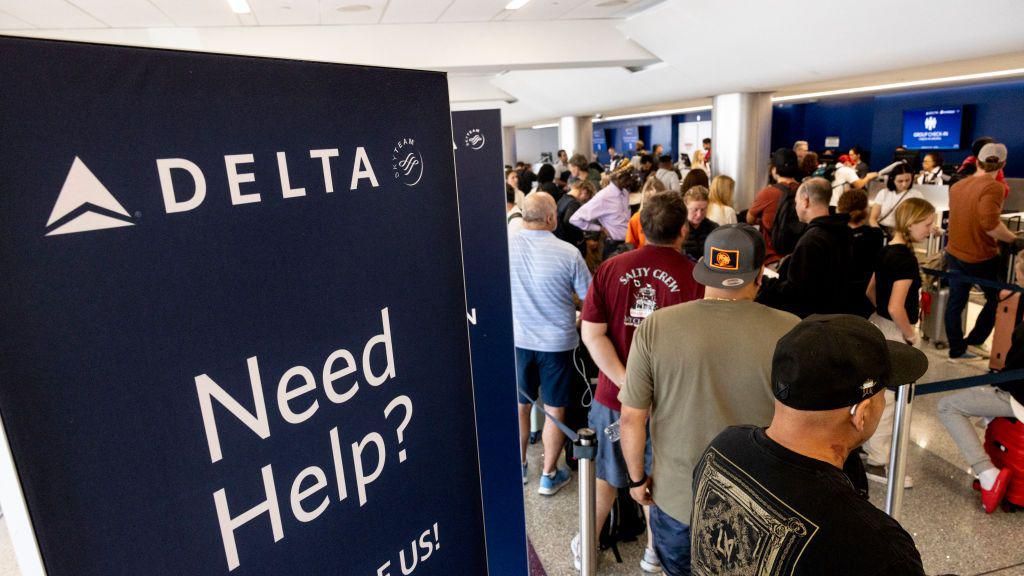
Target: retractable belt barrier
961,278
565,429
970,381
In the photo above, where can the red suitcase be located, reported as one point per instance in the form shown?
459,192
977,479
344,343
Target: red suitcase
1004,442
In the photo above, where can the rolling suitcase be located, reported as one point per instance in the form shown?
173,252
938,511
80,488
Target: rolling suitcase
1004,442
1008,315
934,299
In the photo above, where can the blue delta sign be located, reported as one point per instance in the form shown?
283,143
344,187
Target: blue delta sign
233,337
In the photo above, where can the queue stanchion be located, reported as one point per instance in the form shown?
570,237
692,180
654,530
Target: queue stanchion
898,453
585,450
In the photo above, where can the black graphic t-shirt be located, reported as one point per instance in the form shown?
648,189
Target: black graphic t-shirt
760,508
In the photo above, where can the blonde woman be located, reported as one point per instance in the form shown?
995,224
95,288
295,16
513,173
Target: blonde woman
720,210
700,162
634,232
894,290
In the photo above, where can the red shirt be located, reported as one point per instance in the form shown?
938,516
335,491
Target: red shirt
765,205
628,288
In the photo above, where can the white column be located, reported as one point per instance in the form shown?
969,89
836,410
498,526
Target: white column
741,142
576,135
508,145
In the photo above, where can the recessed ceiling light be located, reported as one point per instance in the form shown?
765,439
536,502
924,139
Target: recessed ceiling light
354,8
239,6
898,85
611,3
516,4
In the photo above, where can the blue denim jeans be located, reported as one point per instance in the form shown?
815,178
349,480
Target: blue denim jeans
671,542
958,295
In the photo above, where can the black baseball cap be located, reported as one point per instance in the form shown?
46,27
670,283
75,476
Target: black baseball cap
733,256
835,361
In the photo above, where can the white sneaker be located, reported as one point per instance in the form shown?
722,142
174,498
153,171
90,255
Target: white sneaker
574,547
577,558
650,563
979,351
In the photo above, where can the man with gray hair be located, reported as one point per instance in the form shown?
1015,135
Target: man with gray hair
801,148
816,278
545,272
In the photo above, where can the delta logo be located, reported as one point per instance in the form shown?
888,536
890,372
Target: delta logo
85,204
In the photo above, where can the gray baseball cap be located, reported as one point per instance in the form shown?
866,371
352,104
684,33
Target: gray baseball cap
733,256
992,150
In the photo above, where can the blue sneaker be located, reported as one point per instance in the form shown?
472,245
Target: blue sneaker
525,477
550,485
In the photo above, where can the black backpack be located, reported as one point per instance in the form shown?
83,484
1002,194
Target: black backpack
787,228
625,523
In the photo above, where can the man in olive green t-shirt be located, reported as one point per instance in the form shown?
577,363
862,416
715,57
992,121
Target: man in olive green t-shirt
698,368
975,204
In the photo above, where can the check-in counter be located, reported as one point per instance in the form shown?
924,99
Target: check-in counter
939,195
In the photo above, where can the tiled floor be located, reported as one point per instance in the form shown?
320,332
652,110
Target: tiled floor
943,514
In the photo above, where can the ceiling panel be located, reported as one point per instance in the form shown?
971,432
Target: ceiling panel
351,11
286,12
8,22
545,9
125,13
198,13
414,11
610,8
49,14
473,10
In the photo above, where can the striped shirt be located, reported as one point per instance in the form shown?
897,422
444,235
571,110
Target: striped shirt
545,272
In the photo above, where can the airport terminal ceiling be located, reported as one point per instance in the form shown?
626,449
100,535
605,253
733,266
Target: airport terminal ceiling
647,54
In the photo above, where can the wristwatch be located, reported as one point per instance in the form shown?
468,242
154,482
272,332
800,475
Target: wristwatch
638,483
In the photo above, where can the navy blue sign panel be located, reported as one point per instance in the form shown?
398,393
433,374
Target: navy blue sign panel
233,337
629,137
478,163
932,129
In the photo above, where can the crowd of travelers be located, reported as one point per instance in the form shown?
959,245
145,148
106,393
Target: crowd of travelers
747,356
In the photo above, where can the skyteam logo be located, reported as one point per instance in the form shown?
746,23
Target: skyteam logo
930,122
475,139
85,204
407,162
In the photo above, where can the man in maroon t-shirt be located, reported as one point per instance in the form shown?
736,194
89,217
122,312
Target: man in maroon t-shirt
785,171
625,290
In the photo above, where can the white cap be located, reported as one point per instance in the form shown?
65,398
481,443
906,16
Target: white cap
992,150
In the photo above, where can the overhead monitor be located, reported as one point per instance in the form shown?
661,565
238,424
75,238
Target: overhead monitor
932,128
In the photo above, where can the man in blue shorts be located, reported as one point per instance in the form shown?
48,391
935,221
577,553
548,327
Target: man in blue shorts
545,273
